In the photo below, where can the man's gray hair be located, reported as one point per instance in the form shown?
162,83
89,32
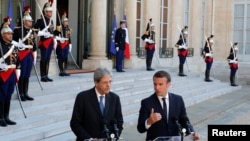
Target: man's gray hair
100,72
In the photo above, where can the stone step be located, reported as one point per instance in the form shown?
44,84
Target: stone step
49,114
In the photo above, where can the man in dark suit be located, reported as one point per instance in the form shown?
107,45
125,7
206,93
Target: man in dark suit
163,113
120,37
88,121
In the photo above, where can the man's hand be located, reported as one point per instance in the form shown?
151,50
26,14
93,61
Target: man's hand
194,136
154,117
117,49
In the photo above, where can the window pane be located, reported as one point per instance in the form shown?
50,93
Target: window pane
239,10
165,15
166,3
248,35
248,10
248,22
238,35
138,23
165,31
247,49
138,12
238,23
240,46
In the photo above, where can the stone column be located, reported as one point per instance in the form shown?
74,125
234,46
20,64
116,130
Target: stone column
98,37
130,10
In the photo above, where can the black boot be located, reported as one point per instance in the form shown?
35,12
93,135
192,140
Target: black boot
60,65
43,71
21,89
207,75
2,120
6,113
181,70
26,88
65,64
232,80
148,63
47,71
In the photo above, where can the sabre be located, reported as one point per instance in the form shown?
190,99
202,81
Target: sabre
37,76
18,94
183,43
74,60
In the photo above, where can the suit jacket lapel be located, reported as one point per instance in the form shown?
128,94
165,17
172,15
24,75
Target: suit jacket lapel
95,102
107,104
159,107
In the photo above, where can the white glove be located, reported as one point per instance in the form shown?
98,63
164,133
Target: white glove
70,47
208,54
18,73
1,60
55,44
232,61
46,34
40,33
3,66
149,41
16,44
21,45
182,47
117,48
35,56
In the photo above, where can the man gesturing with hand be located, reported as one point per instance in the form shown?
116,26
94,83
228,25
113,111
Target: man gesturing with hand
160,112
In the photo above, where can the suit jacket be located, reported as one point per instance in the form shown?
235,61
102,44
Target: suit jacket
163,127
87,120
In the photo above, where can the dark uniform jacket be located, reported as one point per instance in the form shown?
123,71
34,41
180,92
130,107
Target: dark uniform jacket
120,37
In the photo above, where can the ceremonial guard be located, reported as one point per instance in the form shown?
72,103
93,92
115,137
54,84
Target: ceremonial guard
149,39
28,56
208,57
120,37
9,72
185,28
182,45
64,46
45,28
233,63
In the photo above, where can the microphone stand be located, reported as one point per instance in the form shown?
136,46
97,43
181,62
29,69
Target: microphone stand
106,131
179,127
116,132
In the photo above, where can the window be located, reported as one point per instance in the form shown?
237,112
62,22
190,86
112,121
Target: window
242,27
164,29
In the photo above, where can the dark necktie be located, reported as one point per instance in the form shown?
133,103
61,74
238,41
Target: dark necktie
101,104
164,106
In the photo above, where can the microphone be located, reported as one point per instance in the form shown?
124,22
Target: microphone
116,129
105,129
188,125
178,124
